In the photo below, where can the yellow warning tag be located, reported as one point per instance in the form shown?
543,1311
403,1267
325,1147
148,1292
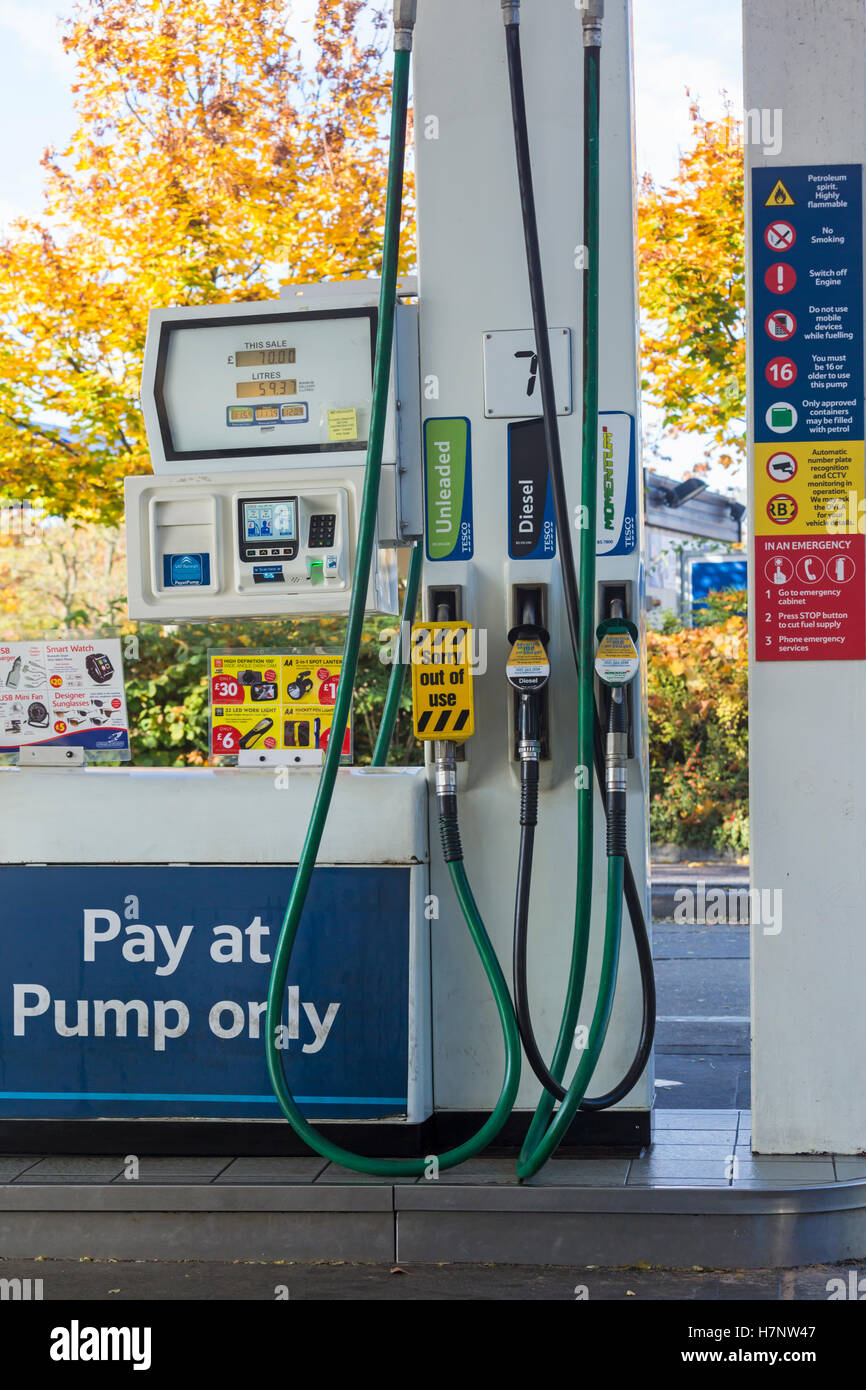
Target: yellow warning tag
780,197
528,667
342,426
442,702
616,661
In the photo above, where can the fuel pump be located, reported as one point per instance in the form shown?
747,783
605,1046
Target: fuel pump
542,1138
277,491
446,791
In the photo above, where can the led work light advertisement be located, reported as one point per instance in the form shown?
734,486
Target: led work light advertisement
272,702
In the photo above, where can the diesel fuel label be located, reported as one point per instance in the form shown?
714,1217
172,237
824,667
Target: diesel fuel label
807,277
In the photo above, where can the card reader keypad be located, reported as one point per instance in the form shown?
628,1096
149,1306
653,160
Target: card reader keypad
323,526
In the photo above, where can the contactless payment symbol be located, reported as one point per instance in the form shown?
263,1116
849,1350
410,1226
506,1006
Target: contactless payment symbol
781,467
780,236
782,508
781,325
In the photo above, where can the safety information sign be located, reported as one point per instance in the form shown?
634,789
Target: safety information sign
442,703
274,701
64,694
807,264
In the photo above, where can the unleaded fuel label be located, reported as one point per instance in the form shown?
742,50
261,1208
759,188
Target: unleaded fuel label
448,489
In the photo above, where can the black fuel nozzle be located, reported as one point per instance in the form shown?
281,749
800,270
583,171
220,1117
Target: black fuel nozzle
616,772
616,664
528,671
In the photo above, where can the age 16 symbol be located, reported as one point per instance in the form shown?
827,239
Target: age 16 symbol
780,371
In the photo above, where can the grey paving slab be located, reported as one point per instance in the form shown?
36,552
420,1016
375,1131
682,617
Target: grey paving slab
694,1119
75,1195
687,1183
204,1235
13,1165
75,1168
335,1175
488,1171
665,1138
815,1169
565,1172
686,1154
646,1171
175,1170
771,1184
272,1170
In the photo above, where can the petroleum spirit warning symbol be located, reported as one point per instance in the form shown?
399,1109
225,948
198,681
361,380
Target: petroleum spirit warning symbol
782,508
442,703
779,197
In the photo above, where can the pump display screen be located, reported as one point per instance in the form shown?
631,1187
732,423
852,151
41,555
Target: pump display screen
270,520
222,387
268,530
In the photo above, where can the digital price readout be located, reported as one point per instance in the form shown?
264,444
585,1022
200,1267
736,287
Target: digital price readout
266,388
265,357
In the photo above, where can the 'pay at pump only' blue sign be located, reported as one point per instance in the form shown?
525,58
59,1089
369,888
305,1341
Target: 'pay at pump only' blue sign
140,992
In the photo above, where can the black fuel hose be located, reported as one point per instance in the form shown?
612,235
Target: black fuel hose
566,554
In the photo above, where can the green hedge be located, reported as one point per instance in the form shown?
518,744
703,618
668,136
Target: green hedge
167,684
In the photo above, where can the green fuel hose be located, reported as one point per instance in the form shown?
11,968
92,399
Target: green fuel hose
544,1135
307,861
398,667
542,1142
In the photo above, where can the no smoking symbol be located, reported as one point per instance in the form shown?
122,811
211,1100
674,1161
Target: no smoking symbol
780,236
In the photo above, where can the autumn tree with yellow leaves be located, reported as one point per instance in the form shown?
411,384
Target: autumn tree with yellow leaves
213,160
693,291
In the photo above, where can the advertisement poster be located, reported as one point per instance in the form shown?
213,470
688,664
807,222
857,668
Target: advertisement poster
273,702
69,694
